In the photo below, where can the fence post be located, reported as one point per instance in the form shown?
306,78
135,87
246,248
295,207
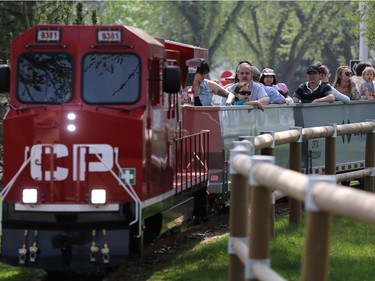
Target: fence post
295,156
370,160
317,232
251,139
270,151
238,215
259,224
330,155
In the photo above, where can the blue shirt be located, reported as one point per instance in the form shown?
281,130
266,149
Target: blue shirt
204,93
239,102
274,95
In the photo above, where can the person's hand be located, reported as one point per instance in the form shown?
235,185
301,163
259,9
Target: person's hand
230,99
259,105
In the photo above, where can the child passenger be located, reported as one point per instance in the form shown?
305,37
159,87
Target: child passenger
242,94
268,79
367,85
283,90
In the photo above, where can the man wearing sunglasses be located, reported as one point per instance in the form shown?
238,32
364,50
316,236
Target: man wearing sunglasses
313,90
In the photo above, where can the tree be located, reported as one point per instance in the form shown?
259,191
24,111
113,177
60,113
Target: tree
365,16
17,16
284,35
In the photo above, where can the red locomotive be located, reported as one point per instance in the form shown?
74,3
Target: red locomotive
95,159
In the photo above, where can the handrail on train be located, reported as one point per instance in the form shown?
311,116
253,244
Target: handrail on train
191,166
249,241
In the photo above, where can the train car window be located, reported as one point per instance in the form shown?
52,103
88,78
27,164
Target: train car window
111,78
45,77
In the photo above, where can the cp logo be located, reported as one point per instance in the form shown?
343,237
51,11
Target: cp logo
103,153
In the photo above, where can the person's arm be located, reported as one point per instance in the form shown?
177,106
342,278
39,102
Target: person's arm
259,93
220,91
296,100
328,98
256,104
264,100
356,95
339,96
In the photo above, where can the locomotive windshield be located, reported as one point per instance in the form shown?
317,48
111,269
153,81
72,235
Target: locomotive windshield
111,78
45,78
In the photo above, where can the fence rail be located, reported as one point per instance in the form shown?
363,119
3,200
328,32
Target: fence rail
250,234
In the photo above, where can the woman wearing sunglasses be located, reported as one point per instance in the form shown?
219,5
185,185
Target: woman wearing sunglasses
242,95
344,84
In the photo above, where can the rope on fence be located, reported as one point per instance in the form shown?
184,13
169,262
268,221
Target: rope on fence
265,140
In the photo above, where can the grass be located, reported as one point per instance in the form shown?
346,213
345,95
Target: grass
352,252
10,273
206,261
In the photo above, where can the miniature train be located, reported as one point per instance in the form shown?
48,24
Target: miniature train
100,157
95,160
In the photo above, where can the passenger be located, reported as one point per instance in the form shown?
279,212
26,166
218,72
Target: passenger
243,74
367,85
255,73
242,94
236,80
314,90
344,84
283,90
204,89
324,76
357,78
268,79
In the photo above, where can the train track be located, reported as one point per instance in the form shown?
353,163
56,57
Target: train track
160,252
155,254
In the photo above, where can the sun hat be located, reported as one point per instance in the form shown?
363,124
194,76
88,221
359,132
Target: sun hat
268,71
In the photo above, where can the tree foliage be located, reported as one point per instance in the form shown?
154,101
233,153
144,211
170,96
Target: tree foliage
284,35
17,16
365,15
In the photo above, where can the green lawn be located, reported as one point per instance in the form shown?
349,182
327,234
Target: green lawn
351,256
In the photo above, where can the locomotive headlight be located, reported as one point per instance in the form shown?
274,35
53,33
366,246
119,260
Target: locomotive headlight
30,196
98,196
71,128
71,116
